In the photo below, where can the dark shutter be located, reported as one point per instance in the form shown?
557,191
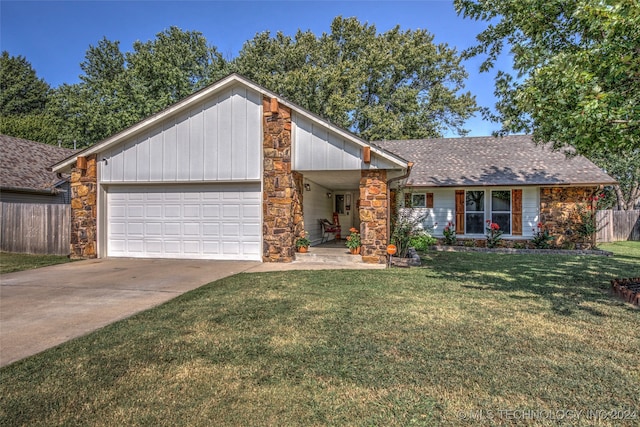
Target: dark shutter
407,200
430,200
516,212
459,211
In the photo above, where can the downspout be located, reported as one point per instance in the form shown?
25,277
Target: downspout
389,181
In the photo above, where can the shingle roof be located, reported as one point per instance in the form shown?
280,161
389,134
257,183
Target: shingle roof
24,163
492,161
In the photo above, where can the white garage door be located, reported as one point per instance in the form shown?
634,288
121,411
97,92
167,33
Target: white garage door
219,221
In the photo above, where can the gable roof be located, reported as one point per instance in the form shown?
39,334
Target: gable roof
206,93
492,161
25,165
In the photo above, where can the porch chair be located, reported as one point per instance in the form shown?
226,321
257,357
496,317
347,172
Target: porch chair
329,228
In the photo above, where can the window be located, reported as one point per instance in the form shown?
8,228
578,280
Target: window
418,200
474,212
501,209
340,204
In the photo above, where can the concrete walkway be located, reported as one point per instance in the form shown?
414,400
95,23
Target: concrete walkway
42,308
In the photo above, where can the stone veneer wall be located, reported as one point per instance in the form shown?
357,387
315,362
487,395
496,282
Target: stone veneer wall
558,210
84,190
282,194
373,215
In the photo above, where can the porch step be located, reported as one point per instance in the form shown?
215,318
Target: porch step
338,255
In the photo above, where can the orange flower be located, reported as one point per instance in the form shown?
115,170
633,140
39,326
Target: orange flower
353,230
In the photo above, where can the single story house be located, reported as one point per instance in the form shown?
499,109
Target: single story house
25,174
234,171
509,181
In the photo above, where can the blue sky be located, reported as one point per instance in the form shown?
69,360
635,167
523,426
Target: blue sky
55,35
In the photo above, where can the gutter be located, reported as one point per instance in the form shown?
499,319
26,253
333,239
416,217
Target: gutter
389,181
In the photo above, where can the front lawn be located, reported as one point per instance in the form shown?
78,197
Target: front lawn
471,338
11,262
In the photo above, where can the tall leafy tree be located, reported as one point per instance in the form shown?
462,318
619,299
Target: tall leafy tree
171,67
577,80
119,89
398,84
21,91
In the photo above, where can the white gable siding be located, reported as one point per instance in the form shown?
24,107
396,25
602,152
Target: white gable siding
216,140
317,148
316,206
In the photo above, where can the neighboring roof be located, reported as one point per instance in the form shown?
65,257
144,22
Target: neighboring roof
492,161
205,93
24,165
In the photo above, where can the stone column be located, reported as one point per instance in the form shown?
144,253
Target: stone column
558,210
373,215
84,210
282,194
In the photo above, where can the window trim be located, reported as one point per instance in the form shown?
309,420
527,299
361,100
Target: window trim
466,212
510,211
488,206
427,197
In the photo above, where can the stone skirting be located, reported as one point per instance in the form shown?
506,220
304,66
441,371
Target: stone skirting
558,210
373,215
282,194
84,190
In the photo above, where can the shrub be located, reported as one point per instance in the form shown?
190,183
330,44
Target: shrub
541,237
470,243
494,234
422,241
407,225
449,234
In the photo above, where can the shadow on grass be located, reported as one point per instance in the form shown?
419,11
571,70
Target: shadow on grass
567,282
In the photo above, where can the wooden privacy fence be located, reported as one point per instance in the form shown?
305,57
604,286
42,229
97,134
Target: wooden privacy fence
35,228
618,225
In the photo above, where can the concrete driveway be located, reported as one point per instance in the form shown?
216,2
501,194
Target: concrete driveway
45,307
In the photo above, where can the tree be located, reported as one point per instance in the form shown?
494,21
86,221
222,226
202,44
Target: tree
171,67
119,89
578,77
21,91
394,85
578,69
624,166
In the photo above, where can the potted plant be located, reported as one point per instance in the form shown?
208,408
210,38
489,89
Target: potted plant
354,241
302,244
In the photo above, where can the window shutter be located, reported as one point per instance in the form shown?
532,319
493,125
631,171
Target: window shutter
516,212
430,200
459,211
407,200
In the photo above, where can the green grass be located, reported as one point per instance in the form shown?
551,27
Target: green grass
469,332
11,262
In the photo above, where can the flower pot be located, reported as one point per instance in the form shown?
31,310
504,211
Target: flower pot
355,251
303,249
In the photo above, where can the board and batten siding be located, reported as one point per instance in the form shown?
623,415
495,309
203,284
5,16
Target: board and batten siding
444,208
317,148
316,206
218,140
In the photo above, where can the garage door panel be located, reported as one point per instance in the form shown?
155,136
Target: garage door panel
191,212
251,211
191,221
211,247
154,247
154,211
